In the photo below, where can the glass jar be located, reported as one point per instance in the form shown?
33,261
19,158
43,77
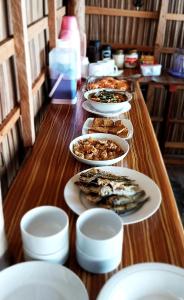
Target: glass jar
131,59
119,58
93,50
106,52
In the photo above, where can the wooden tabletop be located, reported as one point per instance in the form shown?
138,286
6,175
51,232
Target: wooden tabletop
44,174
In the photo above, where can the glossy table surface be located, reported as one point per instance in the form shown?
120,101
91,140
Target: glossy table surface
44,174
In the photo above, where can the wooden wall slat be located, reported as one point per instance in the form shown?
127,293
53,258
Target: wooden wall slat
7,49
175,17
159,42
39,81
133,46
175,145
9,122
52,23
23,68
123,13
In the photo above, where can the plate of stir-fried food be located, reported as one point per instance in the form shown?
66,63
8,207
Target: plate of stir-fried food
99,149
129,193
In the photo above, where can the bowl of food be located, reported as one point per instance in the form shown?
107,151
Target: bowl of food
99,149
107,100
109,82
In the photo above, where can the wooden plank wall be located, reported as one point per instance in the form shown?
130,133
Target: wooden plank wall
19,119
151,28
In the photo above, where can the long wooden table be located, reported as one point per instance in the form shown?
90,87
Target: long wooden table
44,174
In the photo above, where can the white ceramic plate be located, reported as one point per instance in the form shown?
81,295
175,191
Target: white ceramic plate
87,106
114,74
76,201
147,281
127,123
101,136
40,280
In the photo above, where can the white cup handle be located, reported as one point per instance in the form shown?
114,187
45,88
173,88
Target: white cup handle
115,68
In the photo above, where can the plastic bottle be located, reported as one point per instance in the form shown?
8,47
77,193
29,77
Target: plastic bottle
63,68
70,33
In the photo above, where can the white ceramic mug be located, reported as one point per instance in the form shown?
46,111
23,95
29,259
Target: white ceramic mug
98,68
45,230
111,67
99,240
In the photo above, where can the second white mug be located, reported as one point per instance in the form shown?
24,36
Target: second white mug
111,67
45,230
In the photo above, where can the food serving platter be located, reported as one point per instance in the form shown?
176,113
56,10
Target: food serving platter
40,280
146,281
78,204
127,123
87,106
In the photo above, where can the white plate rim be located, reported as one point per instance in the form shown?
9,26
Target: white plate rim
86,106
72,194
126,122
136,268
31,271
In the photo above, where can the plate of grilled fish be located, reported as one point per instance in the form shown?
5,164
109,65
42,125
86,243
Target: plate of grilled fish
129,193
